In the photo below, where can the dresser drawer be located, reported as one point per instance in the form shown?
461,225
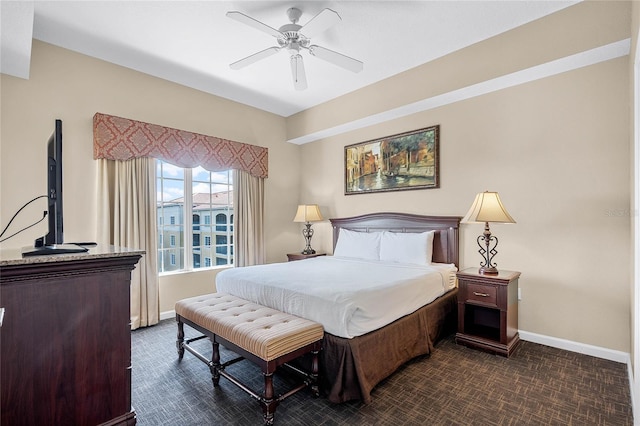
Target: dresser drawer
484,294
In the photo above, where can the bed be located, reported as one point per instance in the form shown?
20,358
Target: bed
359,355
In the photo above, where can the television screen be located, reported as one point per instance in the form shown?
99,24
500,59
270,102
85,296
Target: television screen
53,242
54,186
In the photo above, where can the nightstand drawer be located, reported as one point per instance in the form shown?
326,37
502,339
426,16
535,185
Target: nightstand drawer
484,294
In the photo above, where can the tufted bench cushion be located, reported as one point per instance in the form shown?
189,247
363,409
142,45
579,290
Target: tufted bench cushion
265,332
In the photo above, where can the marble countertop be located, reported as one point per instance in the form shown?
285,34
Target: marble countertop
10,257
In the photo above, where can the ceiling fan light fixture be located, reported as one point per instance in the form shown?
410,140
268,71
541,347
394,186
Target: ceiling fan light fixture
294,48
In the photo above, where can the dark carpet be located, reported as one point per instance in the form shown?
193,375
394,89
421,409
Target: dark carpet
455,385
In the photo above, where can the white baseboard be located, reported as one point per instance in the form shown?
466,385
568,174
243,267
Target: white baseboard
167,315
583,348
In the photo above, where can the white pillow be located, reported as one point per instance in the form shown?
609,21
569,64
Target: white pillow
407,247
360,245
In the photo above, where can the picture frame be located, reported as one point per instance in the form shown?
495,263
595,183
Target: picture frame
405,161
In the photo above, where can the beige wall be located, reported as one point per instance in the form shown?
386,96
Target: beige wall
556,150
73,87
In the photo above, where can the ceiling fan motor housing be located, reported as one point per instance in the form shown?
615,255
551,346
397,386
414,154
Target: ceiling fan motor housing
292,40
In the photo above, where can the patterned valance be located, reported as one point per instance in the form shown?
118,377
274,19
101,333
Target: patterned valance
116,138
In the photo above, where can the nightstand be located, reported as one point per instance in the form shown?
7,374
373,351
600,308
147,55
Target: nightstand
488,311
300,256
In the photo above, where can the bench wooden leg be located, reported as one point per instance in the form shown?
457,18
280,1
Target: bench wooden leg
215,364
269,403
315,389
180,339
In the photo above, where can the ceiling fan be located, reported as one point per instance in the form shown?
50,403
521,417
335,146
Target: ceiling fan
294,38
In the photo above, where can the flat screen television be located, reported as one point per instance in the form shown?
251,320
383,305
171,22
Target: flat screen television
53,242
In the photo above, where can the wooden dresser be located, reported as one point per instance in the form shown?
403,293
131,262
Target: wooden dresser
65,341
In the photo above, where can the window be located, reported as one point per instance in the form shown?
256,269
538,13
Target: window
221,244
221,222
187,200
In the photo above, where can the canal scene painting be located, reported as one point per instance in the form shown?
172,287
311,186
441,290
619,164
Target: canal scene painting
394,163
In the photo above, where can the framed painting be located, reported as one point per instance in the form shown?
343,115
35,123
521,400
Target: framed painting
393,163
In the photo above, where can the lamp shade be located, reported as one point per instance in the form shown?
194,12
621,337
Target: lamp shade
308,213
487,207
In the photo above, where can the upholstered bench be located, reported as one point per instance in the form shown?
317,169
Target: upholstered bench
265,336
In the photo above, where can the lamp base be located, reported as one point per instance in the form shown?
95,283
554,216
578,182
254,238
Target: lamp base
488,271
307,232
487,267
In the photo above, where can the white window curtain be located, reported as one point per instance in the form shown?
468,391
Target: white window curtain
248,219
127,218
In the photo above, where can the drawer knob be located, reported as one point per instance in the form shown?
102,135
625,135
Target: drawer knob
481,294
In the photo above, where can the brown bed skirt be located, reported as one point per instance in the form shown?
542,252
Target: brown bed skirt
351,368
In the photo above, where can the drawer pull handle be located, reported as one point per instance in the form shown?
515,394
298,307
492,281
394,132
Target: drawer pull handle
481,294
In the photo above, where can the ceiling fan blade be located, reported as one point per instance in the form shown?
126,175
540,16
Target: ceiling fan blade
336,58
247,20
319,23
254,58
297,72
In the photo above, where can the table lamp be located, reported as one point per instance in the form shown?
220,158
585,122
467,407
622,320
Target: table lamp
486,208
308,213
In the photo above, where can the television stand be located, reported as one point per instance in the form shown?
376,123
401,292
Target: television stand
53,249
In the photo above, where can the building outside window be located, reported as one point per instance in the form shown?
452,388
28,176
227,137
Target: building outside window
190,198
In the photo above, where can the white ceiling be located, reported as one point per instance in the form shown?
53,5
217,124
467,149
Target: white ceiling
192,42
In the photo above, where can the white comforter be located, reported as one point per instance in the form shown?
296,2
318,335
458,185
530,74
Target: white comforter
348,297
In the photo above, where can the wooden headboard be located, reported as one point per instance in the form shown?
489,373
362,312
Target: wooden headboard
445,241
